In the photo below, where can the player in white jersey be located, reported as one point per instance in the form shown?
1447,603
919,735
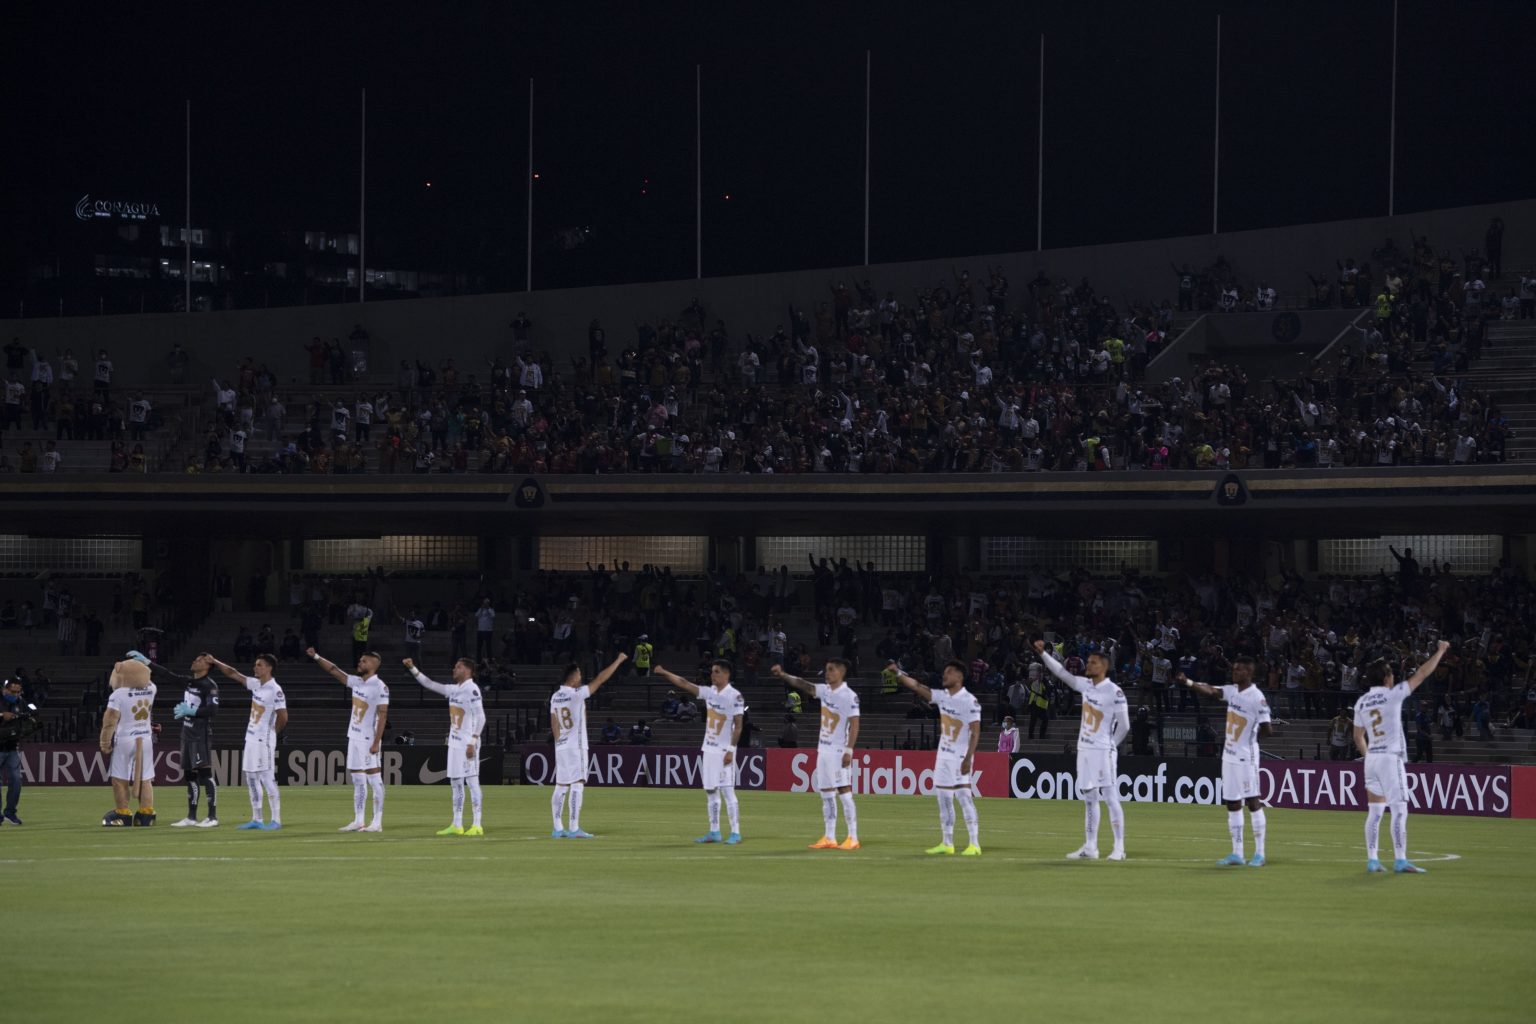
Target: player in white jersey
128,736
568,724
1379,736
269,717
365,736
1247,723
1106,721
959,733
466,721
834,750
723,711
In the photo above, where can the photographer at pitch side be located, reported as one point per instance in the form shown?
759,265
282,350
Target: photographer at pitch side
18,720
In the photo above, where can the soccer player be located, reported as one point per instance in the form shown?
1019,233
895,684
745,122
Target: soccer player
568,722
128,735
199,703
365,736
959,713
1247,723
723,711
269,717
466,721
1379,736
834,750
1106,721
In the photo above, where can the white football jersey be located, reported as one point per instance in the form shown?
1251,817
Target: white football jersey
266,700
568,706
368,695
720,708
466,713
1247,709
959,712
1380,713
134,706
838,707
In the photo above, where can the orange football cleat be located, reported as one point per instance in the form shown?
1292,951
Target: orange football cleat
824,843
848,844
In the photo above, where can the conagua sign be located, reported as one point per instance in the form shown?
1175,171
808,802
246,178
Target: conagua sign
88,208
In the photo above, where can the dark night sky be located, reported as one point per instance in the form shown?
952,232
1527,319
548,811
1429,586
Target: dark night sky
95,103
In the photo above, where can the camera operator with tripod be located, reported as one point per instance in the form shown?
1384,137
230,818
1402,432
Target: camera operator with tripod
18,720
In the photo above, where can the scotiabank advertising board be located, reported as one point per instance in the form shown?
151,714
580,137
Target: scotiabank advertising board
663,767
82,764
885,772
1466,789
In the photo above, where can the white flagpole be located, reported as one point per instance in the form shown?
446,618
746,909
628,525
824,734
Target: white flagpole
1216,175
868,59
362,203
1392,121
1040,158
528,284
698,173
187,265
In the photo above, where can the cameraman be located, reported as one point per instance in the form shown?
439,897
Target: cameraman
18,719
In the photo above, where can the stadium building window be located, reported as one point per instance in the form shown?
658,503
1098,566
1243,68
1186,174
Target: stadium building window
20,553
907,553
571,554
1469,554
1099,557
396,553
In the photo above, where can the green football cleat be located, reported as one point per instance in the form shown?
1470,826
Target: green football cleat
942,848
474,830
451,830
971,851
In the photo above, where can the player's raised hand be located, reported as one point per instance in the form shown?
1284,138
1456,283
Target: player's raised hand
311,653
408,663
777,670
1039,646
1181,678
1443,646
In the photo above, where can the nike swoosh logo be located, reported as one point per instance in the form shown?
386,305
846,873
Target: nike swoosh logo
429,777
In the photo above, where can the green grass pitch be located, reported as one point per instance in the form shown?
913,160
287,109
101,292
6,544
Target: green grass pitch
641,924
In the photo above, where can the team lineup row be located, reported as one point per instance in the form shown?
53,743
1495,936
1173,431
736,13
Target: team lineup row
127,736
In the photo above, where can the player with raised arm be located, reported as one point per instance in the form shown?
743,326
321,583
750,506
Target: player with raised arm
723,711
1247,723
959,733
269,717
1106,721
833,778
466,721
568,723
1379,736
199,703
365,735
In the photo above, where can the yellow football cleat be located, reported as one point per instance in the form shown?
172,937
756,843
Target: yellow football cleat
942,848
451,830
474,830
824,843
971,851
848,844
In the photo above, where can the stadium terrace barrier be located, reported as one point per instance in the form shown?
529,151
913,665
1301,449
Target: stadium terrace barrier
82,764
660,767
1498,791
885,772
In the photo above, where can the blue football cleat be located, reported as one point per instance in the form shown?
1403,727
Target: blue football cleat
708,837
1373,867
1257,862
734,839
579,834
1406,867
558,833
272,826
250,826
1231,860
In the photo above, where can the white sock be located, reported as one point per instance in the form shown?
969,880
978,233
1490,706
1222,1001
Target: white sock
947,816
557,806
458,802
732,808
1258,820
1091,819
474,797
1116,818
376,783
850,817
274,801
577,791
359,796
1235,826
1373,813
253,786
1400,830
968,812
829,814
714,810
